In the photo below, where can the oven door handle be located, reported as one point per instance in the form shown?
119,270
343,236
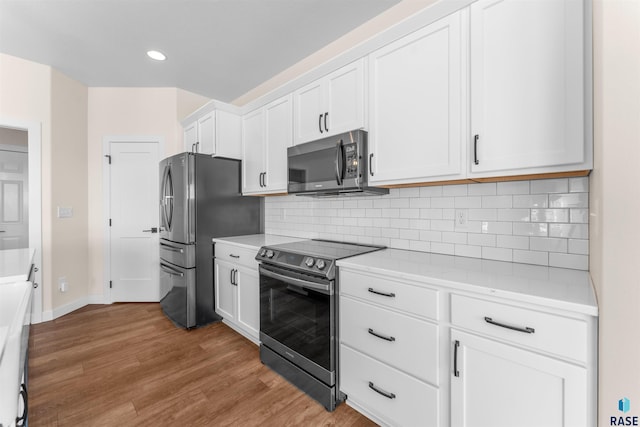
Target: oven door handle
325,289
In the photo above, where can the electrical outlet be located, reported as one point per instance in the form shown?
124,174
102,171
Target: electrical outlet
461,219
62,284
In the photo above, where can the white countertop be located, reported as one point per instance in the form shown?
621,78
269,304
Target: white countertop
15,265
552,287
256,241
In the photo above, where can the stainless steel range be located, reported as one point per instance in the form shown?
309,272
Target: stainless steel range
298,313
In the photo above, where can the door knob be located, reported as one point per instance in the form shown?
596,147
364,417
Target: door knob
152,230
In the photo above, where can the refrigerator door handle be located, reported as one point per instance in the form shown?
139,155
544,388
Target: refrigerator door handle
172,271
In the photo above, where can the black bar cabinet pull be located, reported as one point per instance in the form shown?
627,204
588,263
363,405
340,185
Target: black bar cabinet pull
384,337
231,276
320,123
371,164
386,394
475,149
234,256
384,294
325,122
456,373
526,329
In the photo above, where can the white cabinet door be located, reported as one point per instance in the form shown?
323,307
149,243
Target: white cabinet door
309,112
499,385
279,135
190,136
206,143
225,290
330,105
416,105
249,301
253,152
527,87
345,99
228,137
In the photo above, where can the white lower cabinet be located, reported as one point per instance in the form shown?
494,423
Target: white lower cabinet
236,282
388,394
417,354
499,385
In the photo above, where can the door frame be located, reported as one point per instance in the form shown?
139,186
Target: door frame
34,147
106,199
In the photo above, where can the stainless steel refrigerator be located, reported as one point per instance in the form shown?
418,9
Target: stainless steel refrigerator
200,198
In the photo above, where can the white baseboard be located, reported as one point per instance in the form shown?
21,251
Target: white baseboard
72,306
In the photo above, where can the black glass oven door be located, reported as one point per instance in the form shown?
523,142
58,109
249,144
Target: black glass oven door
297,311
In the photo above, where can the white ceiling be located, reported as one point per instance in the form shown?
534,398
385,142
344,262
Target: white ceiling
216,48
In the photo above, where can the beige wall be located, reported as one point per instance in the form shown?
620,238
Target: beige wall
69,188
25,94
615,201
127,112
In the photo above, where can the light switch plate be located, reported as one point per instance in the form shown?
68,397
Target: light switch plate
65,212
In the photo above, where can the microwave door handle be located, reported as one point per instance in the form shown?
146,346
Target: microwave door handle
339,163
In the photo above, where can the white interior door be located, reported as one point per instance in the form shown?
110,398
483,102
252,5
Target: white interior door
14,200
134,251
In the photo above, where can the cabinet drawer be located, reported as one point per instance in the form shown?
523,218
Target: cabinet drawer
409,402
237,255
405,343
400,296
547,332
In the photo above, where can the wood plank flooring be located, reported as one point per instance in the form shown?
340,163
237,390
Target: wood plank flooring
127,364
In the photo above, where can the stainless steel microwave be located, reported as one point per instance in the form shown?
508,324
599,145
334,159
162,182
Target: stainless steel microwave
332,166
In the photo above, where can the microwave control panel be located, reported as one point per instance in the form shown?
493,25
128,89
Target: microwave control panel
351,160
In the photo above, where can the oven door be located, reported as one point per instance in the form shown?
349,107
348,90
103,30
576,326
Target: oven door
297,319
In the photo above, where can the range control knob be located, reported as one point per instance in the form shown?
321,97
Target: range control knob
309,262
263,251
269,253
320,264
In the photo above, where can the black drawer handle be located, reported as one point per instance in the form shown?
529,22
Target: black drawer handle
526,329
386,394
384,294
234,256
384,337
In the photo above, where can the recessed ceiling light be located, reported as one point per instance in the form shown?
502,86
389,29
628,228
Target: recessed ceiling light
158,56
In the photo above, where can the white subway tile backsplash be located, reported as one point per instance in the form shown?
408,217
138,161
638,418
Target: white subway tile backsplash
455,190
569,231
478,239
431,191
579,246
580,216
503,202
468,202
486,189
513,242
498,254
579,185
578,262
514,215
513,187
541,222
468,251
531,201
531,257
548,244
549,215
572,200
530,229
550,186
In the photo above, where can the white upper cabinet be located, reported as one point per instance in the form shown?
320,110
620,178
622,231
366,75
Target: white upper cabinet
417,105
216,132
330,105
267,133
529,78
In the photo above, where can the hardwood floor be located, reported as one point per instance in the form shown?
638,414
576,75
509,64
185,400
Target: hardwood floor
127,364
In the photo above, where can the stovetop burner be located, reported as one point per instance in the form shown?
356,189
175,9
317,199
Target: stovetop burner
312,256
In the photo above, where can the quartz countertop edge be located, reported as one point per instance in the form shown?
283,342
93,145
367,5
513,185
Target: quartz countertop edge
256,241
559,288
15,265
